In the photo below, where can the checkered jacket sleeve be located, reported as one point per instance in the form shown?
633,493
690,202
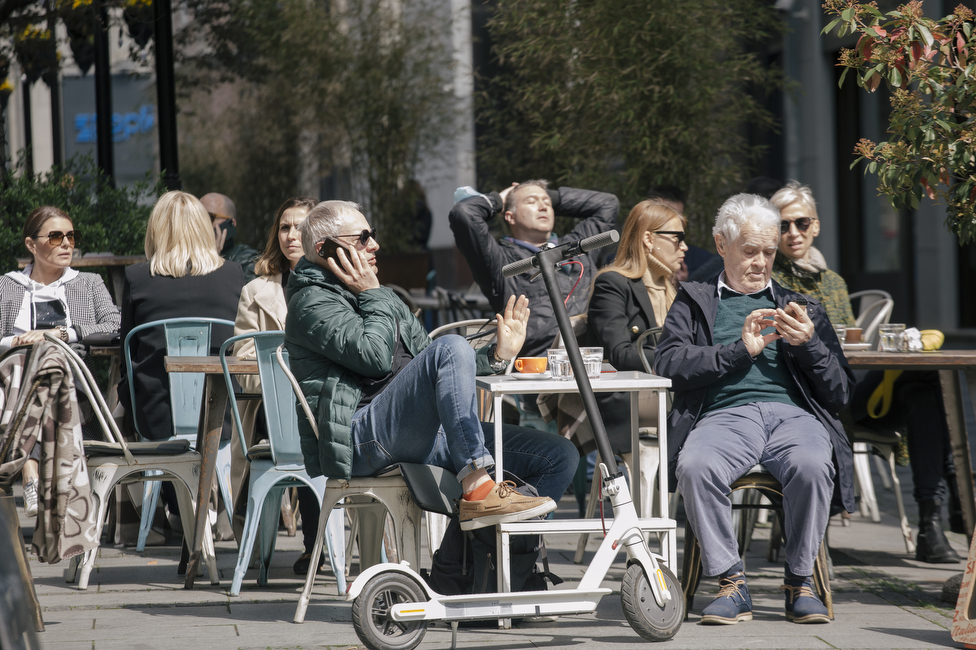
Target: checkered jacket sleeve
91,307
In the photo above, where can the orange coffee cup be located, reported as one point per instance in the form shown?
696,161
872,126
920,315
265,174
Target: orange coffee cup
853,335
530,365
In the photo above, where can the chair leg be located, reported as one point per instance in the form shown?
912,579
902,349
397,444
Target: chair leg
224,484
251,524
436,527
150,497
691,568
268,532
9,513
821,578
188,510
906,530
880,466
312,566
862,471
288,510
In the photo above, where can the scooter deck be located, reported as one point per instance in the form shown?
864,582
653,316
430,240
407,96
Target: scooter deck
471,607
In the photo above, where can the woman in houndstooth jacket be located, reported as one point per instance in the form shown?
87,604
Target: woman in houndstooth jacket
50,296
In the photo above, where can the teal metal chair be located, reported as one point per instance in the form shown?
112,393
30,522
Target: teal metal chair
276,465
185,337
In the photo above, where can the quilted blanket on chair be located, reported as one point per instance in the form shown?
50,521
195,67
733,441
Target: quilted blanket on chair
40,406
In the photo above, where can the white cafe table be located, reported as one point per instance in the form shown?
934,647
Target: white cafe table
498,386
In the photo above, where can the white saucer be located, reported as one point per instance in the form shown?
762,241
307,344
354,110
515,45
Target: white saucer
858,347
530,375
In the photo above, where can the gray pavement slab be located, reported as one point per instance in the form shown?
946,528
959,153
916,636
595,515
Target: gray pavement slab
883,598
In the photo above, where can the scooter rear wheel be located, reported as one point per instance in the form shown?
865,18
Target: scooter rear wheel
372,613
652,622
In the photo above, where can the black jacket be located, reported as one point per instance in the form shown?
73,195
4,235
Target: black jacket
619,312
486,256
687,356
146,298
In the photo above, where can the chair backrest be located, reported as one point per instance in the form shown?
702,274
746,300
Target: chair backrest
280,414
296,389
85,382
873,309
185,337
479,331
654,333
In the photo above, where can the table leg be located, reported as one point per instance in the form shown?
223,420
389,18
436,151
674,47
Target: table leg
956,422
635,479
212,421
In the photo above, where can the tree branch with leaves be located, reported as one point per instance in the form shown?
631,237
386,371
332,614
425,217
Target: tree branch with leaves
929,65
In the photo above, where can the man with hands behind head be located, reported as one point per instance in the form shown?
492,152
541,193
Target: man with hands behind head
759,377
383,392
529,209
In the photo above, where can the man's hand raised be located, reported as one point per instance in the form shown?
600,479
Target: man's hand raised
752,335
511,328
355,270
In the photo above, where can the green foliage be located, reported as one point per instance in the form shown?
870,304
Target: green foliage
356,88
620,95
930,66
111,220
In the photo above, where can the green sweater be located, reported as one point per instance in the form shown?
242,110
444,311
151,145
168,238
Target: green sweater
767,379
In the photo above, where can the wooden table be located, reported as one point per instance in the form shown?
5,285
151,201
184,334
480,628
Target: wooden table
114,264
949,363
208,437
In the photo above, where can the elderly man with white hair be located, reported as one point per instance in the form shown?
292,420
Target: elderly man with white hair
759,377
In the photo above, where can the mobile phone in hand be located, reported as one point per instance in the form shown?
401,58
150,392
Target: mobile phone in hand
801,303
330,248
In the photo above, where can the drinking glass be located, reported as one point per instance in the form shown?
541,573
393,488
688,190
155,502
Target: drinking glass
841,331
559,367
593,360
892,337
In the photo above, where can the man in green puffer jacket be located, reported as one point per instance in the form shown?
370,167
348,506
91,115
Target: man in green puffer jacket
382,392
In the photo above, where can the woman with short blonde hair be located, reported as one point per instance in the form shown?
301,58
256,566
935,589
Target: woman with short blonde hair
179,239
183,278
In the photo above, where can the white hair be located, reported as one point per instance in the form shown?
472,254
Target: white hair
795,192
323,221
742,210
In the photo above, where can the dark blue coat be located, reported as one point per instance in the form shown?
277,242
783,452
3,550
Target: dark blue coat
687,355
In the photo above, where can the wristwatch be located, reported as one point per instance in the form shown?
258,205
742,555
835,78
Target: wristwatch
497,365
63,333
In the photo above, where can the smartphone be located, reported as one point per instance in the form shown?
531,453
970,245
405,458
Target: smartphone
800,302
329,249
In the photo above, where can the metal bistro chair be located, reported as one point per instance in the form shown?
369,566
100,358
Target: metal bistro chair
276,465
389,490
874,310
113,461
185,337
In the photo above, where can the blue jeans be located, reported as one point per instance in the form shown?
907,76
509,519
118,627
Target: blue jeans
793,446
428,414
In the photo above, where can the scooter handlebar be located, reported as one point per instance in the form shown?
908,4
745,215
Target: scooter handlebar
571,250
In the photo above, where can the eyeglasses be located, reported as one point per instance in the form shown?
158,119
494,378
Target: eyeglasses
802,224
680,234
364,236
55,237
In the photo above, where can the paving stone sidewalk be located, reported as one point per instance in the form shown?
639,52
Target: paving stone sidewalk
883,598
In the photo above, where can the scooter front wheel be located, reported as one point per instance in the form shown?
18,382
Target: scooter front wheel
649,620
372,613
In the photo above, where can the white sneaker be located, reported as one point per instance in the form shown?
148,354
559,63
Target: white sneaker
30,498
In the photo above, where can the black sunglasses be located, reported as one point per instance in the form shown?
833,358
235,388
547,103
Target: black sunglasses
55,237
680,234
802,224
364,236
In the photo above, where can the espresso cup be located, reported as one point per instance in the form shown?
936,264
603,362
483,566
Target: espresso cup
530,365
853,335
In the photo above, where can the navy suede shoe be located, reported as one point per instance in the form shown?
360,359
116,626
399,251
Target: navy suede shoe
802,603
733,604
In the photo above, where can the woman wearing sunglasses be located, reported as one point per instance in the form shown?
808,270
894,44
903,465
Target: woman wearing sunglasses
631,296
799,265
918,405
50,296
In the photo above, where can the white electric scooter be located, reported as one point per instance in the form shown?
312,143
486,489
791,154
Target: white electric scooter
392,604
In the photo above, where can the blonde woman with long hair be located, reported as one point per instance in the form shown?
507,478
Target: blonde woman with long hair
183,277
631,296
